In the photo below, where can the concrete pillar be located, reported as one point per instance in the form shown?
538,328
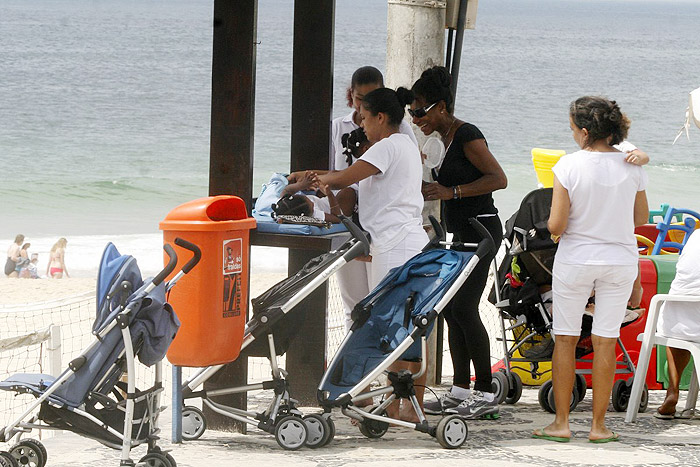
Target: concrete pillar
415,42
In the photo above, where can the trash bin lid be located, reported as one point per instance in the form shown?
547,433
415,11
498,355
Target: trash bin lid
213,213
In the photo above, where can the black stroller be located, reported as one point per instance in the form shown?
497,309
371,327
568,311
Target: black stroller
521,292
268,334
133,319
392,323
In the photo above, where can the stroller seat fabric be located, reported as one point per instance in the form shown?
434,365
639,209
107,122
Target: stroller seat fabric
384,319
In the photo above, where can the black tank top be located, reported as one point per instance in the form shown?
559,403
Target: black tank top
457,170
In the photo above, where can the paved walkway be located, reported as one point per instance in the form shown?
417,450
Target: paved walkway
503,442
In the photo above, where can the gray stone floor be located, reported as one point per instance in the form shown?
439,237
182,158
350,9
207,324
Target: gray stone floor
503,442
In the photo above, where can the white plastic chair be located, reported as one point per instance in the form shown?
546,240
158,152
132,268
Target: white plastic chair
649,339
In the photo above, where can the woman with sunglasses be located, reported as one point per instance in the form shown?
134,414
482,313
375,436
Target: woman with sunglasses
466,179
389,175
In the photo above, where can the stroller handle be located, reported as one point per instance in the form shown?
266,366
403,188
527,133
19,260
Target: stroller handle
172,262
439,234
356,232
487,242
194,249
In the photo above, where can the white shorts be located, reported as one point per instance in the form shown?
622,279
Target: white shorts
572,285
397,256
353,282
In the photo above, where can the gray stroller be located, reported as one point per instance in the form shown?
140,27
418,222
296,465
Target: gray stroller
133,320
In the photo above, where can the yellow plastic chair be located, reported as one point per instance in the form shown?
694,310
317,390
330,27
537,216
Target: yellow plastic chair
544,160
678,235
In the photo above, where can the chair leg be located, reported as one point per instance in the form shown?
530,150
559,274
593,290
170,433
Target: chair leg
692,398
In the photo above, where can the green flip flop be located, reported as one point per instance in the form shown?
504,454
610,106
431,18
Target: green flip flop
540,434
614,437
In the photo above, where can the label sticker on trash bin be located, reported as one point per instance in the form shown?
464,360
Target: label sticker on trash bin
233,256
232,268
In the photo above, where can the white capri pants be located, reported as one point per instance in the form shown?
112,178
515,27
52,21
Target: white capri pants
397,256
572,285
353,282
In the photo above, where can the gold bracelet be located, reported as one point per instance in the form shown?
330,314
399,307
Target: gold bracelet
459,188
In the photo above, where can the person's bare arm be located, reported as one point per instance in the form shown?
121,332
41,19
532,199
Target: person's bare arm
641,209
353,174
637,157
637,291
306,181
559,213
63,263
494,178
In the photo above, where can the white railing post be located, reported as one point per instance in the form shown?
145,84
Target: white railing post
54,351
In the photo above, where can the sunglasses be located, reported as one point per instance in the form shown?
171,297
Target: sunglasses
422,112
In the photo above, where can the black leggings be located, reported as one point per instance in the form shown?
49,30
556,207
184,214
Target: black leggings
467,335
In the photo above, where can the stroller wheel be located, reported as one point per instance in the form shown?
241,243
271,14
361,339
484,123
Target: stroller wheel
37,445
290,432
372,428
317,430
621,392
29,453
155,459
516,388
331,428
500,386
543,396
7,460
451,432
573,400
193,423
582,386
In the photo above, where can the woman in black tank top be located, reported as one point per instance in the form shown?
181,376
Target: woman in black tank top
466,179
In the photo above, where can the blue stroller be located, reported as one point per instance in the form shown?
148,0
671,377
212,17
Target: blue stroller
133,319
392,323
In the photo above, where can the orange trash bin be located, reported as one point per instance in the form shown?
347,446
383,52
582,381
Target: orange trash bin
212,300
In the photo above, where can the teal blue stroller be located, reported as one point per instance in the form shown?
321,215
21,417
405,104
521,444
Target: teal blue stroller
392,323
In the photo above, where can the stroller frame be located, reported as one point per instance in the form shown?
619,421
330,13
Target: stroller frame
508,383
451,431
281,418
149,399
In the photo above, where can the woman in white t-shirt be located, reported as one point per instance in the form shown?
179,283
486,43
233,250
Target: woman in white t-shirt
353,278
389,175
598,200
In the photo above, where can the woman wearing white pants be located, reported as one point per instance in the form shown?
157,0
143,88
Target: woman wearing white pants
390,178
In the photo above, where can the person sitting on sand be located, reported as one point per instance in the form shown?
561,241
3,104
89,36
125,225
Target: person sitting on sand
13,256
57,266
31,271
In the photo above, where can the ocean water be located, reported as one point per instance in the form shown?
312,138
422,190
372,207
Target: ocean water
105,105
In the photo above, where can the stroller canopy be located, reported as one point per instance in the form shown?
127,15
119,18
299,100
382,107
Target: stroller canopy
527,230
406,292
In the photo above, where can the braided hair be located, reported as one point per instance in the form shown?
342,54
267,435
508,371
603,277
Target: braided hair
292,205
353,143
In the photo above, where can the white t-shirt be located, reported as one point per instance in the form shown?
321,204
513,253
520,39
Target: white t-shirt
682,319
321,206
391,202
346,124
602,188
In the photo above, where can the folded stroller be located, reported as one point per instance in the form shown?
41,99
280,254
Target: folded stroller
390,324
522,293
133,319
275,322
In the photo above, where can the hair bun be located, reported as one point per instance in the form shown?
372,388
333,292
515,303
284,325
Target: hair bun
405,96
438,75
